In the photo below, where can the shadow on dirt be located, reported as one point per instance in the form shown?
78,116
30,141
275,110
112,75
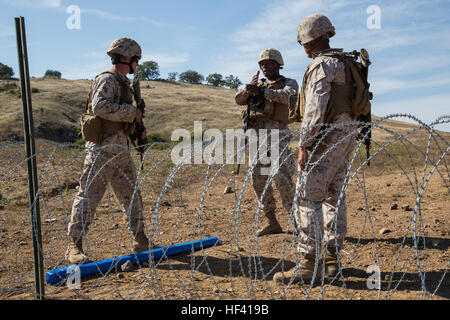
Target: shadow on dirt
263,268
408,281
430,243
257,268
250,267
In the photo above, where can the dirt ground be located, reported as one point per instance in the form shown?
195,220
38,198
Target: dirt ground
410,245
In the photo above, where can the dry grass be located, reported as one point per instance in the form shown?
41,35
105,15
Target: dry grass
395,175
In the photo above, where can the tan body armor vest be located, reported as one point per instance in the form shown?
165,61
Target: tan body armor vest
341,98
280,110
94,128
272,110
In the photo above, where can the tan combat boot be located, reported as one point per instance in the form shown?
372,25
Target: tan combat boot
271,227
74,253
140,242
331,263
305,271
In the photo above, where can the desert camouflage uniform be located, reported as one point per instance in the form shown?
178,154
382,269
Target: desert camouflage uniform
321,187
109,162
283,178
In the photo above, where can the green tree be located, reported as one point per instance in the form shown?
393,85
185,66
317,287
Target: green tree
191,76
172,76
232,82
215,79
148,70
6,72
52,74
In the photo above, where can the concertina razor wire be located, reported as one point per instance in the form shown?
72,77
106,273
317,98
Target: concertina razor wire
182,202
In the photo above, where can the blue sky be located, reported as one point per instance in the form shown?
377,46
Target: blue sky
410,49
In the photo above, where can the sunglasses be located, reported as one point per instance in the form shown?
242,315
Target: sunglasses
311,44
134,59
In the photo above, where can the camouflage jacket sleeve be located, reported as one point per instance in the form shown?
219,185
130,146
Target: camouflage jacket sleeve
105,100
320,74
242,97
282,95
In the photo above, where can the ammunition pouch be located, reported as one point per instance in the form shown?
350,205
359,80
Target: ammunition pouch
91,128
94,129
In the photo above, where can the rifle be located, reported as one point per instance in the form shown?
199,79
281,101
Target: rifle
366,130
245,127
140,128
254,102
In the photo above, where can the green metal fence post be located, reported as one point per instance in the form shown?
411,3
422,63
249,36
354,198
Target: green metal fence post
33,186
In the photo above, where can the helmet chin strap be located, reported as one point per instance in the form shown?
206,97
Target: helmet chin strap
129,64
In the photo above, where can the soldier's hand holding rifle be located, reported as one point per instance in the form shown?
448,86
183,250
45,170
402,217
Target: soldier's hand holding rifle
138,120
252,87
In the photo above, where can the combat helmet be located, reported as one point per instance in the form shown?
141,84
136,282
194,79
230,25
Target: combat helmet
313,27
125,47
271,54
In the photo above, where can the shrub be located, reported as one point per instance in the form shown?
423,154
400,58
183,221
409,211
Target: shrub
172,76
232,82
191,76
6,72
52,74
160,142
148,70
215,79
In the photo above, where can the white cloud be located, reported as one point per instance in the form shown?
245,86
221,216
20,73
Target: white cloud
85,71
411,65
33,3
57,4
435,106
98,61
166,60
386,85
275,27
111,16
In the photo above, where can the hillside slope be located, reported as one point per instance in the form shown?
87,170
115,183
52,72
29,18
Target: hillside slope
58,104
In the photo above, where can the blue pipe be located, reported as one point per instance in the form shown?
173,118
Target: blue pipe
55,277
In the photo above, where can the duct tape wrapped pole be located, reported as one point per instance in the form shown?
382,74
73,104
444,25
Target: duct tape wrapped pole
31,156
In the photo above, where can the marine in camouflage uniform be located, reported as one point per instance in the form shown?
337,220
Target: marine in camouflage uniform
319,223
276,91
109,160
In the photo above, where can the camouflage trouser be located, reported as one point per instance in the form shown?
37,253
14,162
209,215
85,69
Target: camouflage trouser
101,168
318,220
282,178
